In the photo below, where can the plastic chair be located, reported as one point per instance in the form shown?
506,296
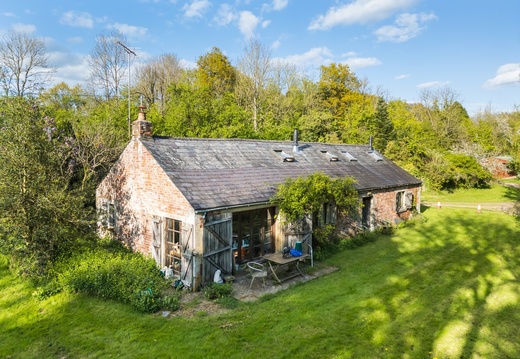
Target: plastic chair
257,270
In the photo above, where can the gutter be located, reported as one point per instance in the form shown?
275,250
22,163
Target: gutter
206,210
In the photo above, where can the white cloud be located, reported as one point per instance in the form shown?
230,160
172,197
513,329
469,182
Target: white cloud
77,19
196,8
360,62
401,77
8,14
407,26
225,15
314,57
275,45
129,30
247,23
279,4
506,75
265,23
426,85
25,28
349,54
70,68
359,12
188,64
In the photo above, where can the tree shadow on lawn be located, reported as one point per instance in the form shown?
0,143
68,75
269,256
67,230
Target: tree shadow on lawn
453,285
447,287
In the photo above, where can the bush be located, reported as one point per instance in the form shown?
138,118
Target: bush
114,274
218,290
170,302
47,290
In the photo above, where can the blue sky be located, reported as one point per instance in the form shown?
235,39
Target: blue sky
399,46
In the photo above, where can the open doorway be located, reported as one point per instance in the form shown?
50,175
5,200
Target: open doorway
253,234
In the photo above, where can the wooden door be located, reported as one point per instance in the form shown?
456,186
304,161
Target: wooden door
156,246
217,246
187,247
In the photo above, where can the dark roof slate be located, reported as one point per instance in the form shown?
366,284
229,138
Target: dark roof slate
216,173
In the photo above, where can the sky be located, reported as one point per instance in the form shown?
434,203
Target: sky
400,47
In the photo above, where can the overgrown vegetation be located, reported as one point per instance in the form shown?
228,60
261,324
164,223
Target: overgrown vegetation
109,271
298,197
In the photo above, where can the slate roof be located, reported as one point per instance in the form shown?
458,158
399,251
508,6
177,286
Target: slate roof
216,173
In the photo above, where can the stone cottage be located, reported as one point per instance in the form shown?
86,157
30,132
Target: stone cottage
201,205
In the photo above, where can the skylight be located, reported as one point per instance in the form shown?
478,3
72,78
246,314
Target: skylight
332,158
375,156
286,157
349,156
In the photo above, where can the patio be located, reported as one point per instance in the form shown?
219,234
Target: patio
242,281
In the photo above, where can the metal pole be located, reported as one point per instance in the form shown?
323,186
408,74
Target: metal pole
128,51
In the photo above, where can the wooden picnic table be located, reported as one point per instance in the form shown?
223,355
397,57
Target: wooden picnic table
277,260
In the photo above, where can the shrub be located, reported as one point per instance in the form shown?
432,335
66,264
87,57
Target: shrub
217,290
48,290
170,302
120,275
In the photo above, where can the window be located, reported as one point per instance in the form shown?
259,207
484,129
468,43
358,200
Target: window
409,200
111,215
400,202
375,156
172,255
107,214
349,156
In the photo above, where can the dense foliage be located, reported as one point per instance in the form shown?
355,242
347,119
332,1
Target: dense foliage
303,195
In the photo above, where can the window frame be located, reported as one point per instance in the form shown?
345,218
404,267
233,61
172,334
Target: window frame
173,244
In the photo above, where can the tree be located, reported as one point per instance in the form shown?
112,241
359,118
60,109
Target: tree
216,72
155,77
254,67
107,64
336,83
381,127
24,65
40,212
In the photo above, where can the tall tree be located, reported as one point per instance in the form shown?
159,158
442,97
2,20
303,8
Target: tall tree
215,72
255,68
381,127
40,213
107,64
154,78
24,64
336,83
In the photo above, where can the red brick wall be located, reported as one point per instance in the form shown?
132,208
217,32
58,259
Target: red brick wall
140,190
384,206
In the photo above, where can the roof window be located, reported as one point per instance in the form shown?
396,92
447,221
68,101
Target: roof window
332,158
286,157
375,155
349,156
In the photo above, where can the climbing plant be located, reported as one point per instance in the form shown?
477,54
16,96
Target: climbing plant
303,195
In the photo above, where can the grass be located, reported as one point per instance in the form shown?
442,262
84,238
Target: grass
496,193
443,287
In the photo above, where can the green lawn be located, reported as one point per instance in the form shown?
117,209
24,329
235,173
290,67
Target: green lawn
497,193
447,287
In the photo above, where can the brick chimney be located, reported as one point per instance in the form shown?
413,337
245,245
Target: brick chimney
140,127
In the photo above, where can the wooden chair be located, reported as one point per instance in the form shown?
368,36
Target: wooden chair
257,270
